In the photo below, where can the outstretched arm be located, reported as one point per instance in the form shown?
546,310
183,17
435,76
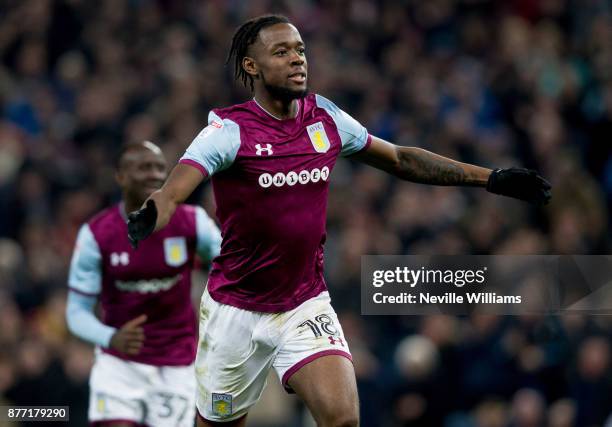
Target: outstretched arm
212,150
182,181
160,206
422,166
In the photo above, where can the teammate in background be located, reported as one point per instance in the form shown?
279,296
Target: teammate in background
143,372
270,160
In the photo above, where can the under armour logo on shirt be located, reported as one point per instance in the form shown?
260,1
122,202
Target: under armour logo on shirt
267,149
122,258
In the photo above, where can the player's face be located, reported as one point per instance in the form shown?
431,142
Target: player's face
142,172
280,57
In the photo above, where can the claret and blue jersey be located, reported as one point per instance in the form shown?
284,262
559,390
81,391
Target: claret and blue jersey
271,179
154,280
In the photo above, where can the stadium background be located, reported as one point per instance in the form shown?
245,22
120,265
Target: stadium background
497,83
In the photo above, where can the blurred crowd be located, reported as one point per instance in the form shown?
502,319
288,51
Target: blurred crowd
496,83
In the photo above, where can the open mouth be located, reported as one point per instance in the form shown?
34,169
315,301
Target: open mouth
298,77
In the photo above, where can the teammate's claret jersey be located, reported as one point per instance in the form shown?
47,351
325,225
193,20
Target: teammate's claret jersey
154,280
270,179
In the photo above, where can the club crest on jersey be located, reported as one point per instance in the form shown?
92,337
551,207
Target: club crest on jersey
267,149
175,251
222,404
318,137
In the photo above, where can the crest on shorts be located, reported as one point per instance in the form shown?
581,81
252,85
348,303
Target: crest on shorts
101,404
222,404
175,251
318,137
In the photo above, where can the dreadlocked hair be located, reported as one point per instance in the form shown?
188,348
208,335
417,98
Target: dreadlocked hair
244,37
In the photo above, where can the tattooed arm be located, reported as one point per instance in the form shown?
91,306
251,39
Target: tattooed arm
422,166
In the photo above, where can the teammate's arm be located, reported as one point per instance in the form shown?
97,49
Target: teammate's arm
209,239
85,283
83,323
422,166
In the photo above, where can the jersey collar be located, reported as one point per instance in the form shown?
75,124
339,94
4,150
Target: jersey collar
273,116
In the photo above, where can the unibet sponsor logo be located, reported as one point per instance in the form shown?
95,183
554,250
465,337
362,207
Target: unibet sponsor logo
148,286
291,178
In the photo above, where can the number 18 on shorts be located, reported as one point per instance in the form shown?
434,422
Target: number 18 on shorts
237,348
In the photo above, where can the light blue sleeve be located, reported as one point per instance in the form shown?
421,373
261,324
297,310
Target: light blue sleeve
209,236
353,135
85,267
82,321
216,146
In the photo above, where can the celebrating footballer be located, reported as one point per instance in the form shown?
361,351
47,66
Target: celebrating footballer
270,160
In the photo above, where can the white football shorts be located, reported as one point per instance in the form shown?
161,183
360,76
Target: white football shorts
238,347
155,396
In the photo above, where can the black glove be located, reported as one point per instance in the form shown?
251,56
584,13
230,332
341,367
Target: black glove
520,183
141,223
